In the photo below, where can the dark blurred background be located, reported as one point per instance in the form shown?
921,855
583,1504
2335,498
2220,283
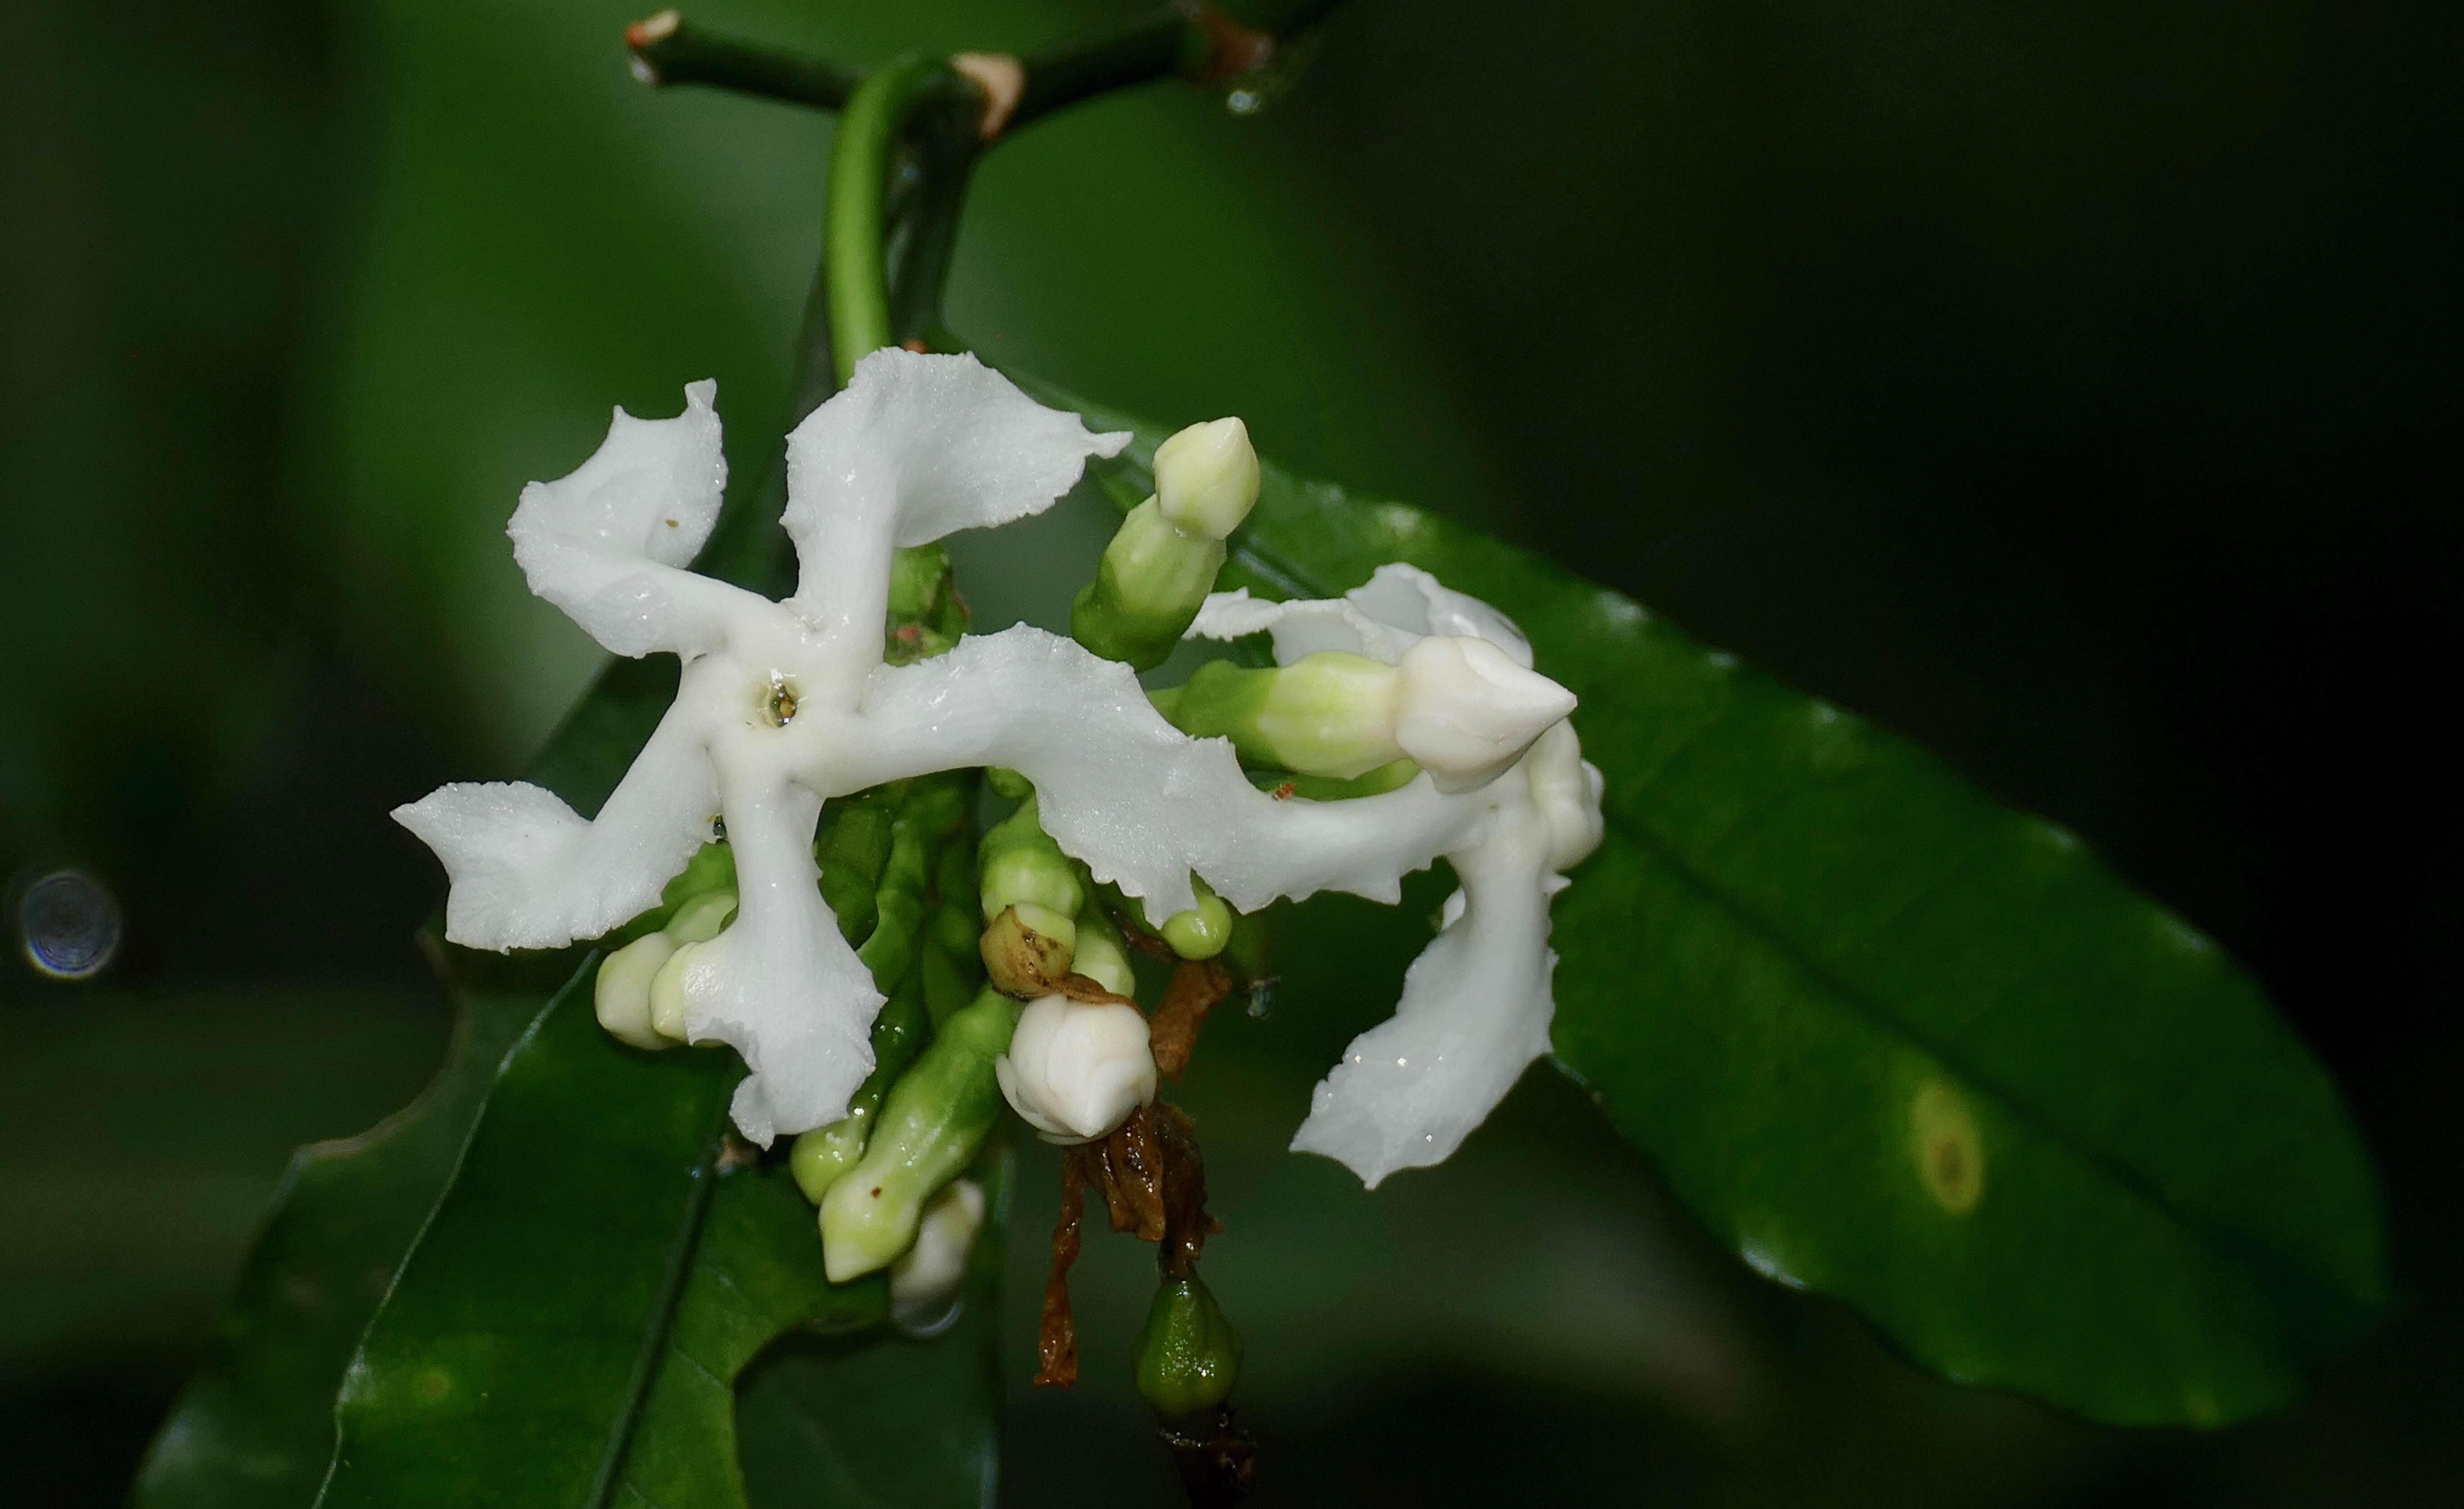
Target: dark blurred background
2058,383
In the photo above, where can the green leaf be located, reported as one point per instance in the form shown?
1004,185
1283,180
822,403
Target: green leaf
510,1359
253,1426
1891,1040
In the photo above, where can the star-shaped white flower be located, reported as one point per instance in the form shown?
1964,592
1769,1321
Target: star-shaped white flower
785,705
1477,1002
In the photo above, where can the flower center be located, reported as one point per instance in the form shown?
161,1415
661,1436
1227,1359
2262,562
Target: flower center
779,702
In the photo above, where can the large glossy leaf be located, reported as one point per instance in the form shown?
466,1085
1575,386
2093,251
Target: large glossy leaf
254,1427
510,1359
1892,1040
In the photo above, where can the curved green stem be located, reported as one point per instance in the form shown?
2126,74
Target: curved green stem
854,236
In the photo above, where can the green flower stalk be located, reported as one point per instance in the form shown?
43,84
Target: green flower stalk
1330,714
935,1121
1162,561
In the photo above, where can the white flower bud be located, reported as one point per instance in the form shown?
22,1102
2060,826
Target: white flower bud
1076,1069
1465,711
926,1278
1206,478
1565,788
667,993
622,992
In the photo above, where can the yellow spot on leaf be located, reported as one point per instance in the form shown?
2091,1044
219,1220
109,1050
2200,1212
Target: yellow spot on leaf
1946,1147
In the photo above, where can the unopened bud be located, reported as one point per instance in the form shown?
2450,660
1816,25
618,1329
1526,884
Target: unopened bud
925,1280
1327,713
1020,862
1028,950
1100,954
1206,478
621,996
1189,1355
668,994
1008,783
1076,1069
820,1156
713,867
1201,931
703,918
1465,711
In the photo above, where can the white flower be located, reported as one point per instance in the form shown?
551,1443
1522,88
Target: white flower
784,705
1076,1069
1476,1003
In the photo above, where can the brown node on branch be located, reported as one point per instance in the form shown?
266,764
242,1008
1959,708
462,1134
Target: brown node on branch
1216,1459
650,29
1153,1179
1231,48
1198,986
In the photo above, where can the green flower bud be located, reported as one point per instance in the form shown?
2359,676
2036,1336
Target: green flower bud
1330,714
1008,783
1203,931
1099,954
703,918
936,1119
918,576
1150,583
926,615
1028,950
621,994
822,1155
1189,1355
713,867
889,952
1206,478
1020,862
852,848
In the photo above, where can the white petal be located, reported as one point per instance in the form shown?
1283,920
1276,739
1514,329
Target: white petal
608,542
1410,598
1142,803
527,872
1465,711
781,985
1565,788
1475,1011
916,447
1381,619
1301,627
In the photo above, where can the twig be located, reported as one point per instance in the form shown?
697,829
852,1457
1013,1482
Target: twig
665,50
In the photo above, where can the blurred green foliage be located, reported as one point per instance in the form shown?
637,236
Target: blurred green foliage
2061,384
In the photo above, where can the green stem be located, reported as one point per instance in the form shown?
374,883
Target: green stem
854,236
1156,45
666,50
1209,43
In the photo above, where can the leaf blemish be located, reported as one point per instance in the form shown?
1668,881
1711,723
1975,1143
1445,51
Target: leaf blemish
1946,1145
